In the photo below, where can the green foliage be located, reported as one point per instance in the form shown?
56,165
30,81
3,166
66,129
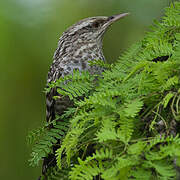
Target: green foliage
125,127
44,139
73,85
54,173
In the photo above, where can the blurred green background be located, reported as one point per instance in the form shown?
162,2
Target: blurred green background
29,32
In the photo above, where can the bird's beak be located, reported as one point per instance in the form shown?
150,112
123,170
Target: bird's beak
110,20
114,18
117,17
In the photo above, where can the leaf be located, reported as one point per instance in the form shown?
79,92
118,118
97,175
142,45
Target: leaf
136,148
133,107
164,169
167,98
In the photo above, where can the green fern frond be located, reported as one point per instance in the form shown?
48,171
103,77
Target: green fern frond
56,174
73,85
68,146
170,82
164,169
120,169
107,132
84,171
34,135
100,63
167,98
90,168
172,17
141,173
132,108
44,145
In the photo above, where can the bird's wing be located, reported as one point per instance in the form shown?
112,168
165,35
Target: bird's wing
50,103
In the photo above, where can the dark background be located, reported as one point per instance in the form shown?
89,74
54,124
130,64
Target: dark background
29,32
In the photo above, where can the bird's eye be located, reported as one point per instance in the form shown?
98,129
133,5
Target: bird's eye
110,18
96,24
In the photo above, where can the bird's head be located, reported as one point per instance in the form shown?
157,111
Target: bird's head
93,28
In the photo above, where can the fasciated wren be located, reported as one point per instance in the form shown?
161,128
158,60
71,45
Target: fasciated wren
79,44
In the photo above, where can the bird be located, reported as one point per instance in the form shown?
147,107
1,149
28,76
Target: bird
78,45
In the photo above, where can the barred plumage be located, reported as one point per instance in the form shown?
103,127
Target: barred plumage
81,43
